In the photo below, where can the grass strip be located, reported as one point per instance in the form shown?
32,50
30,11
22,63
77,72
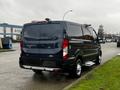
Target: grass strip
105,77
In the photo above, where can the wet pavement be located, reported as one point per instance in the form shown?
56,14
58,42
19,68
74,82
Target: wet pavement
12,77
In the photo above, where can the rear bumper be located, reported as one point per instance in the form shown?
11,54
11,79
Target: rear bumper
41,68
45,64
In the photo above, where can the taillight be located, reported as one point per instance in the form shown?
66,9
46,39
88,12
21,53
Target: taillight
21,44
65,49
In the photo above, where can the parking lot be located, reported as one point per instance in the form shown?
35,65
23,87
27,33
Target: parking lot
12,77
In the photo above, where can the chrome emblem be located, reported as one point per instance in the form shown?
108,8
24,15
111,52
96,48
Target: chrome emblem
51,56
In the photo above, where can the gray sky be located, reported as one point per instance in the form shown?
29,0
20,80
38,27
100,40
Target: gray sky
95,12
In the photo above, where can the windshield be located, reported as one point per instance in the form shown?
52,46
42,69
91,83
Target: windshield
43,32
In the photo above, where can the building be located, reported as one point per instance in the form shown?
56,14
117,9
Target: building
8,30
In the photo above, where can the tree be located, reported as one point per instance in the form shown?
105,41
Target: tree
101,32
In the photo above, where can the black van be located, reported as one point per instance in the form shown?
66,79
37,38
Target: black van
118,42
59,45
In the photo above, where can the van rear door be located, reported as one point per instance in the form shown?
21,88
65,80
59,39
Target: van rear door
42,38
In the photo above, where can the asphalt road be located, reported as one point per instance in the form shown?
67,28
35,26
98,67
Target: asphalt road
14,78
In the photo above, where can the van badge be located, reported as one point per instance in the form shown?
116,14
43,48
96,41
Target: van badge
50,55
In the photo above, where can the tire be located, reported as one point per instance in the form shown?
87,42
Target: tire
76,70
37,71
98,59
118,45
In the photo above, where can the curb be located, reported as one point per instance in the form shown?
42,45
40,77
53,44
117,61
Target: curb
7,50
78,80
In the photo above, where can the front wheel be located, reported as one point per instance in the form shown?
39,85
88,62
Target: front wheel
118,45
98,60
76,70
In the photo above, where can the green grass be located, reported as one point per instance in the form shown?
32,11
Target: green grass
105,77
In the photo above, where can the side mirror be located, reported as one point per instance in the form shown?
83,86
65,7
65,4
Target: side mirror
101,41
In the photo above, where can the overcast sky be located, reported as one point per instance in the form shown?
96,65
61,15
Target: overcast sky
95,12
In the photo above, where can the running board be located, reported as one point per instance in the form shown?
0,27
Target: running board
89,63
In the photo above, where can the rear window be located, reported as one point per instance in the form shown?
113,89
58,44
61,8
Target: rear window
43,31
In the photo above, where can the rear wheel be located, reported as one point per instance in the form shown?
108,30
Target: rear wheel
37,71
77,70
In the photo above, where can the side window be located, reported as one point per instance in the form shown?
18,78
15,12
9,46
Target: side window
86,33
93,32
74,30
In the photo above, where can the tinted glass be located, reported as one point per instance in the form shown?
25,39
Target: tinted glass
74,30
86,31
92,32
43,31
